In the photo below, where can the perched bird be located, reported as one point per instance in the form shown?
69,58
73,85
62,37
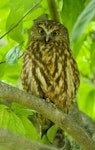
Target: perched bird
49,69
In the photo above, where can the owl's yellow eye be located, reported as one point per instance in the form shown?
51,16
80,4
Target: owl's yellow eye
41,31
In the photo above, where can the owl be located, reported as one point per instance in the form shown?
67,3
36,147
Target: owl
49,69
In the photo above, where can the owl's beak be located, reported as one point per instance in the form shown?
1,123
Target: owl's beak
47,38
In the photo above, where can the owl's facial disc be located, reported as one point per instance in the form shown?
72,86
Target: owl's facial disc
50,36
47,35
44,34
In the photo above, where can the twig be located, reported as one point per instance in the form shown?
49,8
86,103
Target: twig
15,25
63,120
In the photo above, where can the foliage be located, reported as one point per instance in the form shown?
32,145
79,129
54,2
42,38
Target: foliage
78,17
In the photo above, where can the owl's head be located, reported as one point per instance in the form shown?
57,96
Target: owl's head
49,30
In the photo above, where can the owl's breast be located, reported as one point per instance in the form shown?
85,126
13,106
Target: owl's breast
49,58
50,72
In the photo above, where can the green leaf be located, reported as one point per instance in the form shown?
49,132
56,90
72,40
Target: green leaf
18,10
83,20
13,55
15,124
45,139
16,4
10,73
9,120
2,148
4,116
70,11
59,5
86,97
4,11
51,133
4,4
21,110
30,4
17,32
92,52
30,130
90,103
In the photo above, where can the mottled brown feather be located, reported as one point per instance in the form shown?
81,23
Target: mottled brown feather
49,69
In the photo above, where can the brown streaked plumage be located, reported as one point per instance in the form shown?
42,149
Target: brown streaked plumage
49,69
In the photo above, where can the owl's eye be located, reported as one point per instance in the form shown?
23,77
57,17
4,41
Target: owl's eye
54,33
41,31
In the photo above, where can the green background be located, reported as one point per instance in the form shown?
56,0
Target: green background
79,18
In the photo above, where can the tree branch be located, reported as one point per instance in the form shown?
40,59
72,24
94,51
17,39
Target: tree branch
64,121
53,10
10,140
